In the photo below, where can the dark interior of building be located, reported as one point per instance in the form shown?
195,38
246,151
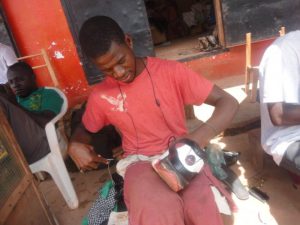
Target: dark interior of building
172,20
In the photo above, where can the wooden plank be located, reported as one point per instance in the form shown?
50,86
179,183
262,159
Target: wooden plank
254,74
248,62
50,68
14,198
219,22
39,66
15,210
29,211
29,56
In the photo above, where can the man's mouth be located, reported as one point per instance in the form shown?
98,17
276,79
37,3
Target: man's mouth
19,92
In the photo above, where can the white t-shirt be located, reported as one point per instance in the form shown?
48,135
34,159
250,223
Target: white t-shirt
7,58
280,82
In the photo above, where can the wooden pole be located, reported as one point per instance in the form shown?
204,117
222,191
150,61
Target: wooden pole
219,21
248,62
50,68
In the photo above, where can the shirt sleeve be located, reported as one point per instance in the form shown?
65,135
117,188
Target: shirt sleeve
194,88
280,75
52,101
94,118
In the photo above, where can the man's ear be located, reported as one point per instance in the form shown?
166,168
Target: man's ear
128,41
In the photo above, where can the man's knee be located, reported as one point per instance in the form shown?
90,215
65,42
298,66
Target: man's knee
145,190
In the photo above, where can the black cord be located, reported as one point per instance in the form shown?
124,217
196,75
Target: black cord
157,102
133,124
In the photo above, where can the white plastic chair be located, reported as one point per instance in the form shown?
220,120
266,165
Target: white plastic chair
53,162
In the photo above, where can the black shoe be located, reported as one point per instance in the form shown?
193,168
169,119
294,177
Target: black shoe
230,157
234,184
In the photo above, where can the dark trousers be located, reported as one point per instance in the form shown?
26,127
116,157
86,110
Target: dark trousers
291,158
30,136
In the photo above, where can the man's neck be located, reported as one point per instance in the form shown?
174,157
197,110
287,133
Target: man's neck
140,64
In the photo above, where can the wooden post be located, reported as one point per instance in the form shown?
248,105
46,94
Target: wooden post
254,74
219,22
248,62
50,68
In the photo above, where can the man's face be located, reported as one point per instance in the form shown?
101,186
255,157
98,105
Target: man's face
22,84
119,62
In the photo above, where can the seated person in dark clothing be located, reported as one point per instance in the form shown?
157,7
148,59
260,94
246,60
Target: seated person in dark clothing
30,111
105,143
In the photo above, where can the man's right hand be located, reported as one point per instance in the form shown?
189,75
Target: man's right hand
84,156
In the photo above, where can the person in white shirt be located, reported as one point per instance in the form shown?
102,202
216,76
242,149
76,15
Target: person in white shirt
7,58
280,101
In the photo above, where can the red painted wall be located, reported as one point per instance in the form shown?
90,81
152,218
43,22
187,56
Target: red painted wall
37,24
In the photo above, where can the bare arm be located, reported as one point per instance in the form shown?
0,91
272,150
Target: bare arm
226,107
81,152
284,114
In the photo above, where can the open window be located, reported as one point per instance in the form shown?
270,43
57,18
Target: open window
184,29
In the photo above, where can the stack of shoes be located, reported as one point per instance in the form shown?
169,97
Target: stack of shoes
207,43
219,161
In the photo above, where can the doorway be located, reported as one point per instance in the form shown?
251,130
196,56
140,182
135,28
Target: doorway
184,29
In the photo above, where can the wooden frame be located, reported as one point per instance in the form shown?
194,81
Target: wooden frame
47,64
26,183
219,22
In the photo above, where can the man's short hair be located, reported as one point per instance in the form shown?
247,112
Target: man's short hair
97,33
21,68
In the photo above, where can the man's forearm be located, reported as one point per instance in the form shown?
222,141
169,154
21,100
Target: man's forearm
225,109
284,114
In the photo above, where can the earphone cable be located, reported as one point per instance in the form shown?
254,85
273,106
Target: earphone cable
157,100
133,124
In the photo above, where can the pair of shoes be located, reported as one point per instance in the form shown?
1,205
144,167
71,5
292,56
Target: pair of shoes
234,184
230,157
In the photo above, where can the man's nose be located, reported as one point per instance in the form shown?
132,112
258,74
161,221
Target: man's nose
119,71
